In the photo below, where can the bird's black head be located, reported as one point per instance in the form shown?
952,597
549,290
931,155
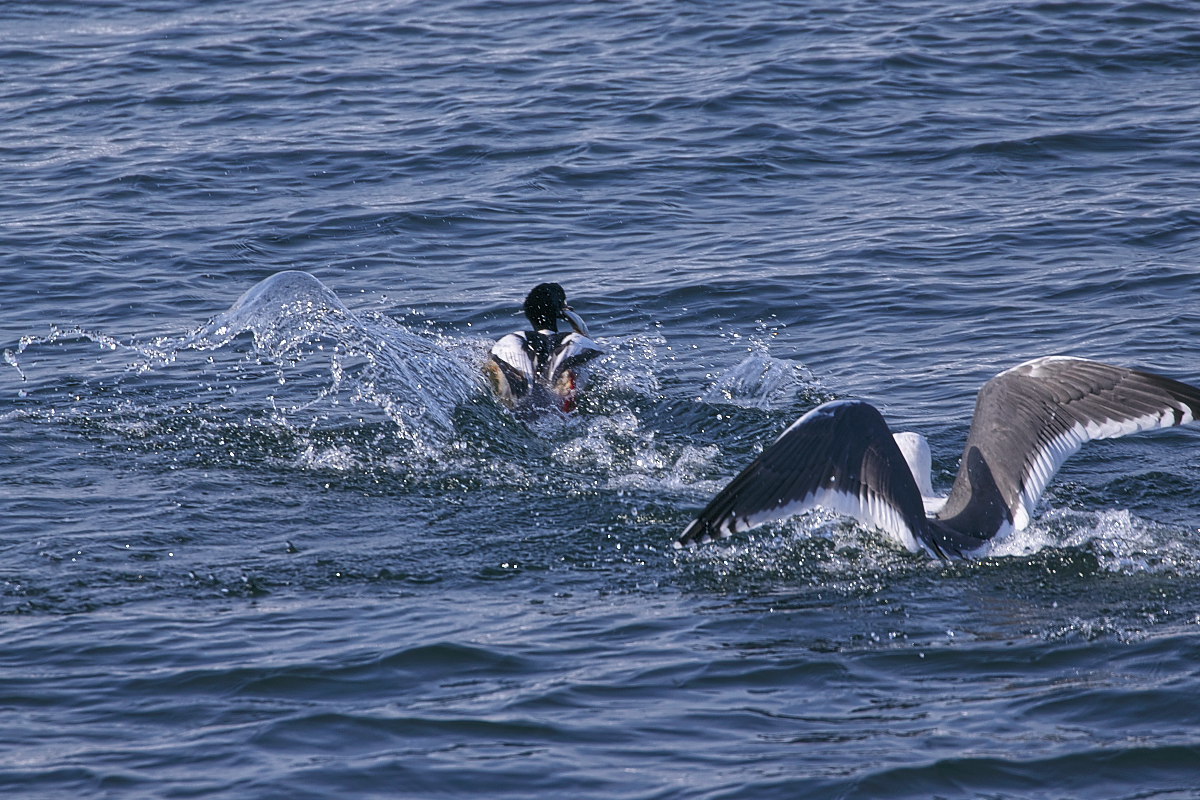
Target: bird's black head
545,305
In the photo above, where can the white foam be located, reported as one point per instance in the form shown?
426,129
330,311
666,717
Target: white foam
1121,541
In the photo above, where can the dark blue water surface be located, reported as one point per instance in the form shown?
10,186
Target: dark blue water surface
289,547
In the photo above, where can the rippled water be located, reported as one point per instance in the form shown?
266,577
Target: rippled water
265,533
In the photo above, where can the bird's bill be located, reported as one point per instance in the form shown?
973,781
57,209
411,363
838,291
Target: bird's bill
576,321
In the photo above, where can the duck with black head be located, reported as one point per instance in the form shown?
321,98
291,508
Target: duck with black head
541,366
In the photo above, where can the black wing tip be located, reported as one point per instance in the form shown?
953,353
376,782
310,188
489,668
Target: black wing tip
942,550
701,530
949,544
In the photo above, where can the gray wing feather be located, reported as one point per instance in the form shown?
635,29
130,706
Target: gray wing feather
1031,418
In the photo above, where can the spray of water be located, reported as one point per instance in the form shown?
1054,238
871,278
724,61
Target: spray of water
291,314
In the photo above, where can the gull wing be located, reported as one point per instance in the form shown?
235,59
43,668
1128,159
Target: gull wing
1033,417
840,456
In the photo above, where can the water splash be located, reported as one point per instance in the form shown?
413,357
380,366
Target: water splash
292,314
759,381
823,548
624,454
58,336
629,439
1120,541
818,549
313,366
628,365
